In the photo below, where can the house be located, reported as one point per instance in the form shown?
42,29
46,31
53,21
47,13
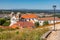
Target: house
30,17
49,19
25,20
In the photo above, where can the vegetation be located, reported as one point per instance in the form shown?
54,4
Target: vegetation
24,34
36,24
6,29
2,21
45,23
7,23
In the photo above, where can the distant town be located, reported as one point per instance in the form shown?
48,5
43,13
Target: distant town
4,12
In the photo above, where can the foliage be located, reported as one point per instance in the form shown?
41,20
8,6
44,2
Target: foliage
6,29
17,32
2,21
45,23
25,34
37,24
7,23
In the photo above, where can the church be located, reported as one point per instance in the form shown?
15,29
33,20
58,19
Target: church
23,20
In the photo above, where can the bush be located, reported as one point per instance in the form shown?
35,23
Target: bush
7,23
36,24
25,34
17,32
45,23
2,21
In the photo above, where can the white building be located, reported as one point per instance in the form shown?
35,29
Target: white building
49,19
14,18
25,17
30,17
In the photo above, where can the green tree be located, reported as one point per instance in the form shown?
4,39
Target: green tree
45,23
2,21
36,24
7,23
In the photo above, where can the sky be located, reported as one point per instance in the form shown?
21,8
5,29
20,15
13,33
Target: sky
29,4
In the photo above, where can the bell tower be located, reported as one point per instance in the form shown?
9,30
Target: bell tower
18,16
12,14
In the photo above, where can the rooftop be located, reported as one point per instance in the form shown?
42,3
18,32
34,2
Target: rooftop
48,18
29,16
23,24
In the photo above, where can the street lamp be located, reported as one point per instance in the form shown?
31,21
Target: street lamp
54,6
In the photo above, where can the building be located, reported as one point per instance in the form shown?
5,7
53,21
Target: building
25,20
30,17
49,19
28,20
14,18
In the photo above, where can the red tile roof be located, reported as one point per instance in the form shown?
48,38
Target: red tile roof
29,16
49,18
22,24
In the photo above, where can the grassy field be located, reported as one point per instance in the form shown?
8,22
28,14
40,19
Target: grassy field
23,34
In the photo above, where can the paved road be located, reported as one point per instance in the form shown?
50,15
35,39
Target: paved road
55,35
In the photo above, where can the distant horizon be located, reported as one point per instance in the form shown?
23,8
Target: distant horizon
29,9
29,4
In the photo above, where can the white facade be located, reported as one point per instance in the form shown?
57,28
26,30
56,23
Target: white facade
50,22
13,20
32,19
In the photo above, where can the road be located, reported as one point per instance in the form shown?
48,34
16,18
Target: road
55,35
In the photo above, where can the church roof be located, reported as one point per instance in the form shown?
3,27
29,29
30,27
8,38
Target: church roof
23,24
29,16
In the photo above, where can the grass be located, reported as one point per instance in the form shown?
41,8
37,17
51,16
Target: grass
23,34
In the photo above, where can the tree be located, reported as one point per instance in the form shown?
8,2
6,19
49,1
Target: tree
36,24
45,23
6,23
2,21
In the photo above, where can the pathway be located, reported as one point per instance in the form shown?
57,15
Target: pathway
55,35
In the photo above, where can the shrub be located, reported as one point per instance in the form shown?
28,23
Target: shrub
17,32
7,23
2,21
26,34
45,23
36,24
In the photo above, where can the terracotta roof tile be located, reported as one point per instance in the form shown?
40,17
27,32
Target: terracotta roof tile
22,24
49,18
29,16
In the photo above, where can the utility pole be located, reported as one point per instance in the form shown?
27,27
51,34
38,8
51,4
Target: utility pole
54,6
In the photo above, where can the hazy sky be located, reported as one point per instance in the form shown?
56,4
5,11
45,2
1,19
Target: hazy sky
29,4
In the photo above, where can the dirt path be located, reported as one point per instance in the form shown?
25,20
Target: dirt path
55,35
